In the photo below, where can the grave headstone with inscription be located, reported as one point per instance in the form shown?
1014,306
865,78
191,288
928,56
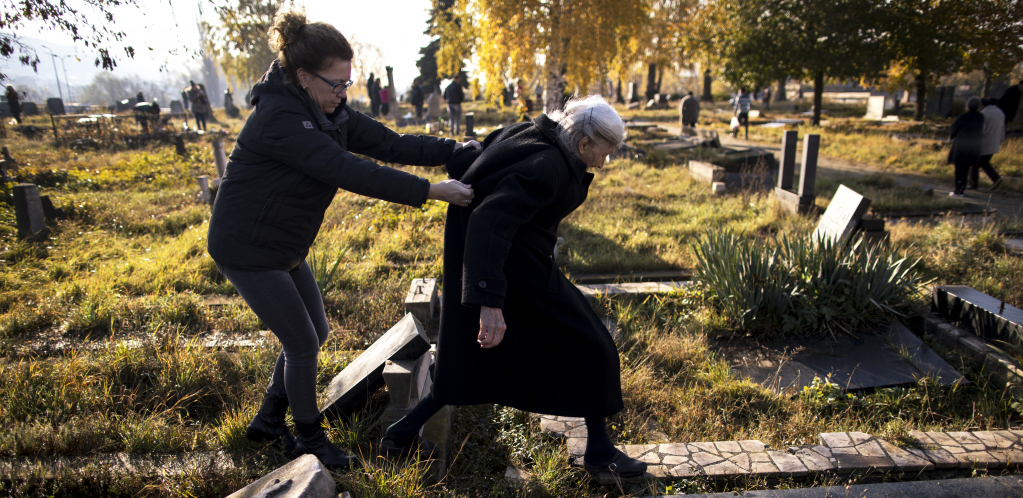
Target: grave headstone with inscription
28,212
842,216
351,388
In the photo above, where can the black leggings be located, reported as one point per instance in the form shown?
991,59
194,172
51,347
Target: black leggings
290,304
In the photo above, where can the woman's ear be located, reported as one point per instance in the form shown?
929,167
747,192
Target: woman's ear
303,77
584,143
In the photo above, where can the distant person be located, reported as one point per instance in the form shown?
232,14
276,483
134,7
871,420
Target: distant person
14,102
741,108
767,98
200,105
967,137
139,99
184,97
374,95
294,152
1009,103
417,98
454,95
994,134
689,110
538,91
385,99
141,112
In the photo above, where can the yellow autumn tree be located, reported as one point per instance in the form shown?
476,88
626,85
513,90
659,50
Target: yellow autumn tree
573,42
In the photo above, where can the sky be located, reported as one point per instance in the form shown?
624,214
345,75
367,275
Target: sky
168,27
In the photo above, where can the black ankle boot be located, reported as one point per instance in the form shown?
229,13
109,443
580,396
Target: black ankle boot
312,440
268,425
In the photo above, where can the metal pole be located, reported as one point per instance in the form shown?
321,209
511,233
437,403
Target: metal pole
53,58
67,84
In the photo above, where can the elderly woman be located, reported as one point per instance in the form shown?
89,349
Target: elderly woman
520,334
294,152
967,136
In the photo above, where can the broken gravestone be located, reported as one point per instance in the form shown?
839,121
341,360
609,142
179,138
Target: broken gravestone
408,381
204,188
985,316
422,298
842,216
303,477
28,211
351,388
800,200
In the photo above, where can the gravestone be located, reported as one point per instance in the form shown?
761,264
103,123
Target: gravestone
842,216
29,109
179,146
408,381
422,298
176,107
204,188
351,388
787,169
303,477
631,96
707,138
808,170
433,106
51,212
985,316
219,157
470,134
55,106
392,96
875,107
29,214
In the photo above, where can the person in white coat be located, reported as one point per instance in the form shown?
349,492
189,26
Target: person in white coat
993,135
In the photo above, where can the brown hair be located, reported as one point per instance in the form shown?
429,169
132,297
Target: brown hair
301,44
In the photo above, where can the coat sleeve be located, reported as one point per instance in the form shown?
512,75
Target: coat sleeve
290,138
516,199
369,137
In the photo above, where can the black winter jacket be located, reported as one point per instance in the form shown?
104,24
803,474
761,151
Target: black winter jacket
286,167
967,135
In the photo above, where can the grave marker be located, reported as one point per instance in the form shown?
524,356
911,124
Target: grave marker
422,298
55,106
808,170
303,477
179,146
433,106
802,200
875,107
204,188
981,314
842,215
408,381
787,169
219,157
350,389
51,212
631,96
470,134
176,107
28,211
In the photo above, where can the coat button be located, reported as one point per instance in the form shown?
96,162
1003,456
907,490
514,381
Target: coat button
483,284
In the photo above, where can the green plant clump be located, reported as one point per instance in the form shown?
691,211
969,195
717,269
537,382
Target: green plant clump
804,285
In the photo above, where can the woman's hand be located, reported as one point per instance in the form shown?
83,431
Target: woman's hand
492,327
451,192
476,145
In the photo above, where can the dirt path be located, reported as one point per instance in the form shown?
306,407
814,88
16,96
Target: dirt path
1008,204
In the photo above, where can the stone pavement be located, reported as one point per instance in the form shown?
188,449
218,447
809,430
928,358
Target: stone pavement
836,453
977,487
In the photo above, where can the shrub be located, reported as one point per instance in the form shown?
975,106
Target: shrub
802,285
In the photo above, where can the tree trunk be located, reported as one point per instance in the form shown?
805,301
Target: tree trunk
921,96
987,85
555,68
619,98
707,96
660,78
651,80
780,96
818,97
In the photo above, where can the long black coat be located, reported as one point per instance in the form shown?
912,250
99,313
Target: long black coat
556,356
967,135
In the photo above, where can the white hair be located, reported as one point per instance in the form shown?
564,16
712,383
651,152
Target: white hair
591,117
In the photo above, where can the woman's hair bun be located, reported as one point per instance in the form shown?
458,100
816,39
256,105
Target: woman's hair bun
286,25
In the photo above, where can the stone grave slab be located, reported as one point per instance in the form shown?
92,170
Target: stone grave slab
706,138
1014,245
303,477
865,360
922,357
350,389
875,107
28,212
842,215
591,291
679,144
985,316
421,299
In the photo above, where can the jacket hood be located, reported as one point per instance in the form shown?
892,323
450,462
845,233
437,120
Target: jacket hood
274,82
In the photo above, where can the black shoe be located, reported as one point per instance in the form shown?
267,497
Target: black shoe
419,447
996,184
620,465
312,440
269,425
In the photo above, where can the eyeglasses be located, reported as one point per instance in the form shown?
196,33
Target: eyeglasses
336,87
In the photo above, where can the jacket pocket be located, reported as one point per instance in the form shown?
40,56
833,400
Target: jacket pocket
264,214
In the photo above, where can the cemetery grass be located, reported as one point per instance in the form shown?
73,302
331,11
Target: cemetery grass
124,285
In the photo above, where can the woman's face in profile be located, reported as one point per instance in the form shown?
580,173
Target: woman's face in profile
594,153
320,91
